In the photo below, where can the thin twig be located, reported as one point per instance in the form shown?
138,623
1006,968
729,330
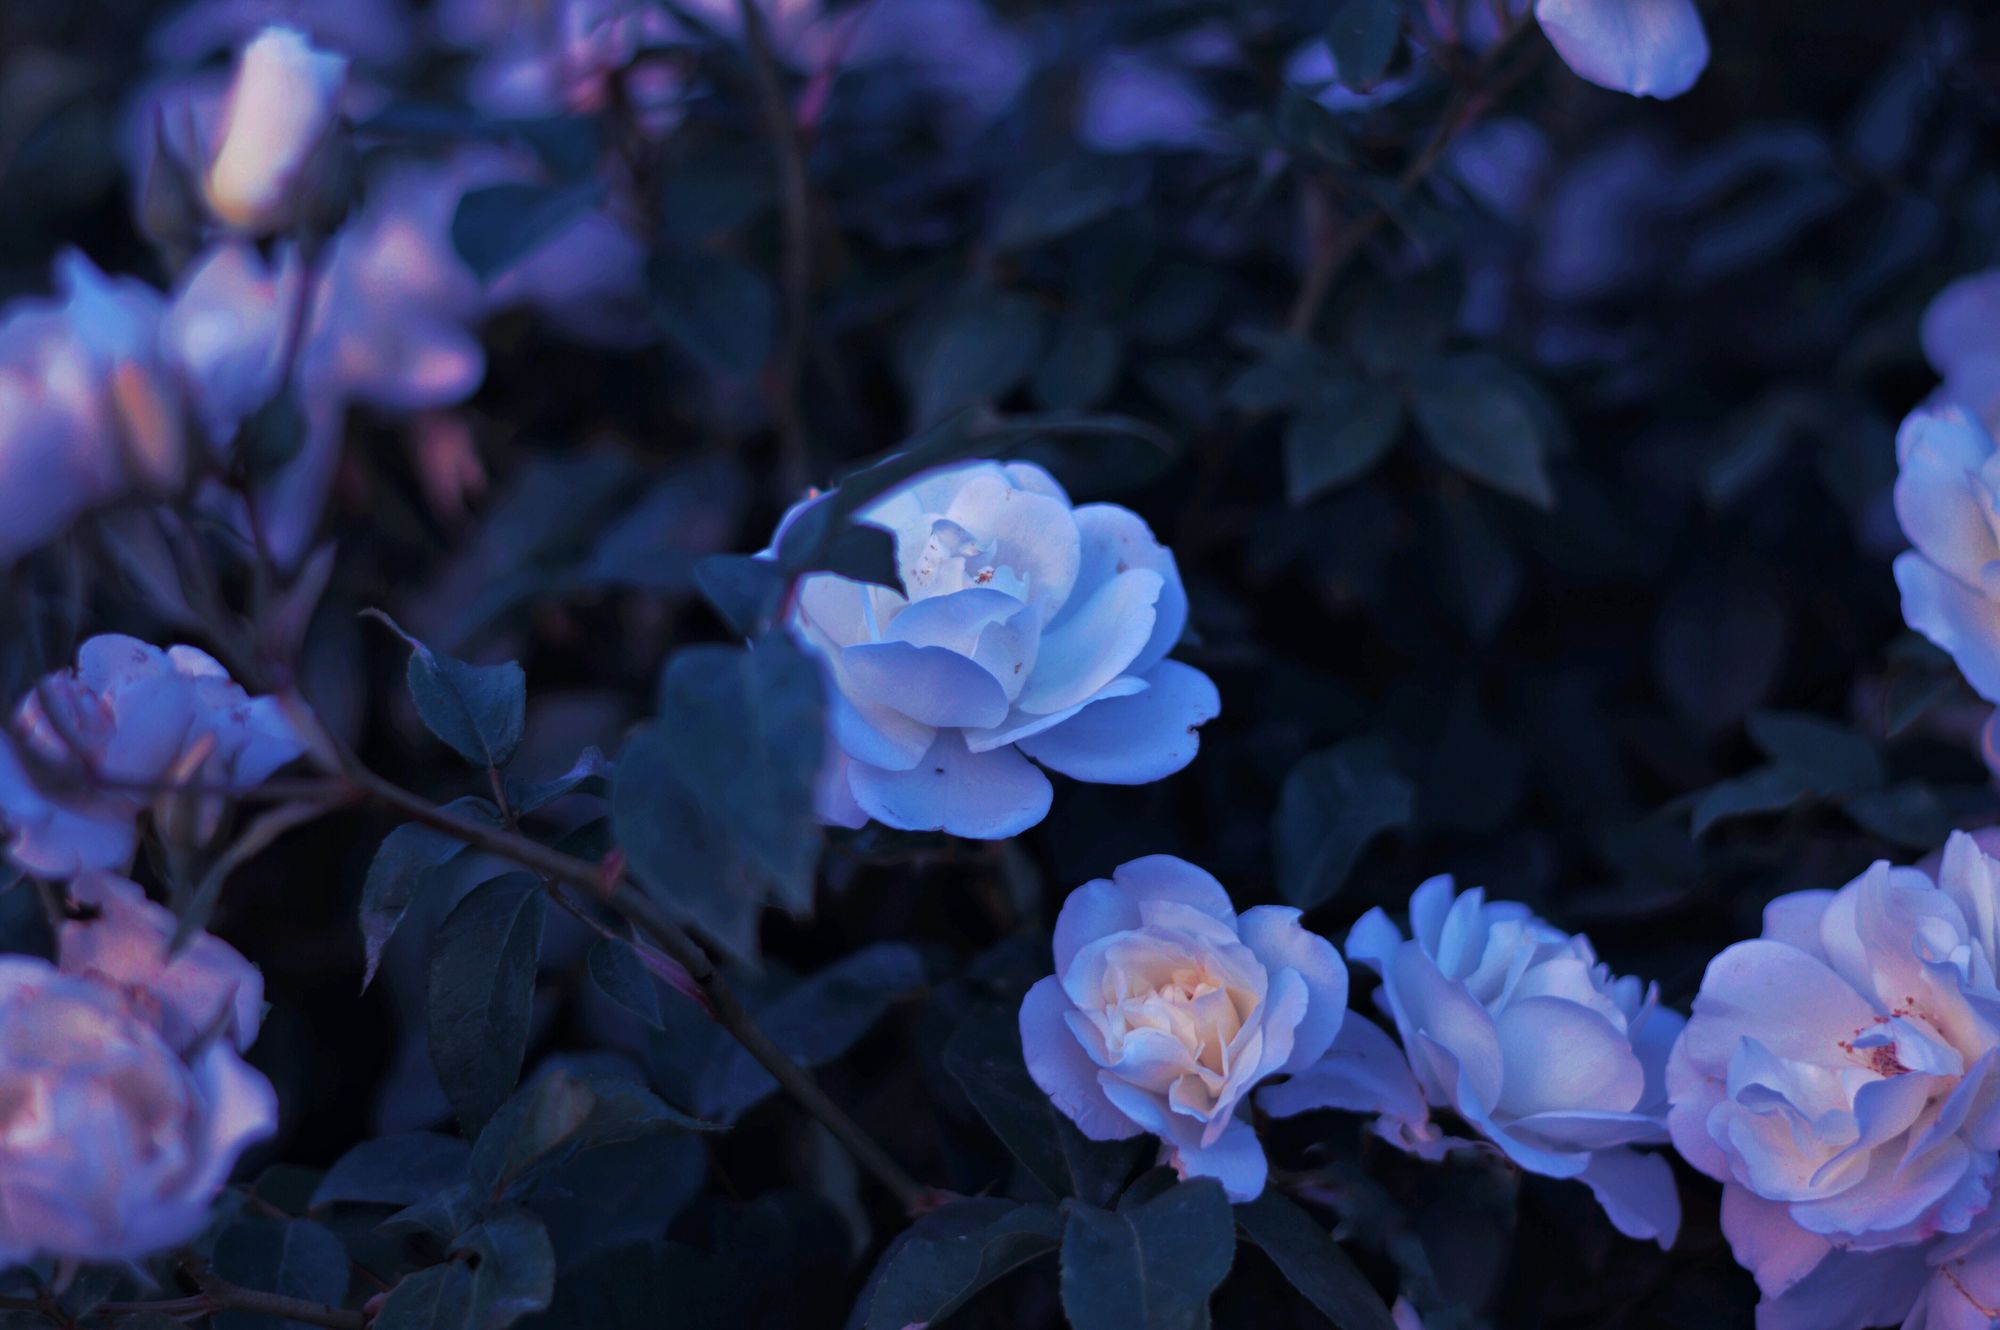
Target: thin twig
795,272
225,1296
610,883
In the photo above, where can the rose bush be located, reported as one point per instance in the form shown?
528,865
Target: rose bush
1518,1028
1031,628
1167,1008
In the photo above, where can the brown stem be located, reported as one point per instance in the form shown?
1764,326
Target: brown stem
221,1295
795,273
607,882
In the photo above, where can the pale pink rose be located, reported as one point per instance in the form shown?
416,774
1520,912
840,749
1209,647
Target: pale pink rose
282,104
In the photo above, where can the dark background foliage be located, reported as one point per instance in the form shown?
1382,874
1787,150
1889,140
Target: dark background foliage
1551,551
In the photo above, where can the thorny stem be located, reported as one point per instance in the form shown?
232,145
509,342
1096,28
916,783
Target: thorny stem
795,273
611,884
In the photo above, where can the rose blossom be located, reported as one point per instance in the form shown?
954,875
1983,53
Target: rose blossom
112,1144
1649,48
121,939
1948,501
1837,1077
1518,1028
129,724
282,105
1167,1006
1031,628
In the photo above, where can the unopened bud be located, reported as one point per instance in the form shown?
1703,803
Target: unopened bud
283,106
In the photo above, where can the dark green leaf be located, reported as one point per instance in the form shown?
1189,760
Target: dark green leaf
396,1170
482,989
1152,1267
1482,418
296,1258
649,1286
513,1264
1363,36
1339,433
404,866
1314,1263
744,590
477,709
496,226
444,1297
1910,815
980,349
1828,759
681,858
745,728
984,1057
1068,193
717,310
589,774
625,979
1334,802
1081,366
558,1113
936,1273
1769,789
612,1194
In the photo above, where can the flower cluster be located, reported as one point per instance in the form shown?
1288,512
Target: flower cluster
127,1100
130,727
1028,628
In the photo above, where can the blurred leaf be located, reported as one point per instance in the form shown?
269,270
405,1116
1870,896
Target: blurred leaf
984,1057
1313,1262
1718,644
983,346
1334,802
1067,193
1397,324
482,990
1363,35
556,1114
296,1258
1480,417
1910,815
398,1170
1770,789
966,1246
1828,759
744,590
719,311
1152,1267
478,709
496,226
1338,434
406,864
624,978
745,728
1081,365
649,1285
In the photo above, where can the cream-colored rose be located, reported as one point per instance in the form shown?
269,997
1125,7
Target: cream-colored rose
282,104
112,1145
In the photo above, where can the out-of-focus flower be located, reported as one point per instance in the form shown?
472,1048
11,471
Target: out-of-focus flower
373,32
1947,497
1649,48
121,939
112,1144
1518,1028
543,58
1152,97
1031,627
1167,1007
282,109
1961,337
956,47
1838,1078
130,725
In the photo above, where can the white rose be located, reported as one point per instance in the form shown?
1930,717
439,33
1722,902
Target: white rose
283,102
112,1145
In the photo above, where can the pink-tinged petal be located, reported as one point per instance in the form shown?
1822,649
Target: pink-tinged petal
1373,940
1033,534
1767,1241
1166,877
1116,540
1062,1069
1958,619
1363,1072
1849,1291
981,796
1235,1159
1794,919
1134,740
1095,645
1962,321
1441,1009
1273,932
1560,1056
124,941
1572,1130
1791,1002
928,684
1649,48
1638,1194
1945,508
1094,910
833,798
